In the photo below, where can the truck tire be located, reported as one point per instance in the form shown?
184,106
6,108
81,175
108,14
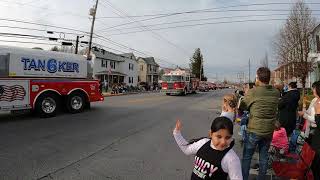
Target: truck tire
47,105
76,102
184,93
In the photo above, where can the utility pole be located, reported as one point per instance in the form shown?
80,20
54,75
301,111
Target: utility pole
77,44
93,13
249,69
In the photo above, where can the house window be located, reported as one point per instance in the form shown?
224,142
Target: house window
141,67
104,63
113,64
130,66
130,79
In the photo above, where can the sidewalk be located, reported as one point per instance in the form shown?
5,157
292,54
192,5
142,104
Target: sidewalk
108,94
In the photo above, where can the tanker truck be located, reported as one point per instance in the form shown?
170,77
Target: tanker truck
45,81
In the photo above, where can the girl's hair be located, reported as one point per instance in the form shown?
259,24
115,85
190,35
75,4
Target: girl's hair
316,86
231,100
217,124
222,123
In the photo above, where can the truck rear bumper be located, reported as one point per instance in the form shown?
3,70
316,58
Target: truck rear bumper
95,98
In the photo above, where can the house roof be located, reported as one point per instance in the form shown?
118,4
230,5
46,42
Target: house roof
129,55
149,60
315,29
106,55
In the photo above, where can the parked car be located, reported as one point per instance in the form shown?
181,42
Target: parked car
204,87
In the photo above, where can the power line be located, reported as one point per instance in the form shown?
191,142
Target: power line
147,29
21,35
206,10
40,24
35,37
202,24
35,29
132,49
205,19
28,42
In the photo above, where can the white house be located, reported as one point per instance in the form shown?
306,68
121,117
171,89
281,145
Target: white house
314,54
130,68
115,68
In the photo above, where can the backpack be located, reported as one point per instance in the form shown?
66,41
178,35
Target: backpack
293,140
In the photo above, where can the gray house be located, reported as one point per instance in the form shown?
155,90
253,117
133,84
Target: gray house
115,68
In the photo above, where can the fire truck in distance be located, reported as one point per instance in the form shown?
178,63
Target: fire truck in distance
179,81
45,81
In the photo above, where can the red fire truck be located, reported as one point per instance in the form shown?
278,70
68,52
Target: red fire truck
45,81
179,81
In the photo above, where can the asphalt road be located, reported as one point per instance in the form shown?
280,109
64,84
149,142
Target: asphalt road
124,137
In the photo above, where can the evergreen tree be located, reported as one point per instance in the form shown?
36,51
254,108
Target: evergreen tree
196,62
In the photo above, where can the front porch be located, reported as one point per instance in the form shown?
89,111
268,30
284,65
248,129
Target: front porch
114,78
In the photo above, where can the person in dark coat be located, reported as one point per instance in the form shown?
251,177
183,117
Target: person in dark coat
288,105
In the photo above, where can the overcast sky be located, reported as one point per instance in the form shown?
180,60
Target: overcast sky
226,45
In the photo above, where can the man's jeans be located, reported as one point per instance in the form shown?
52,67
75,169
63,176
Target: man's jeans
251,141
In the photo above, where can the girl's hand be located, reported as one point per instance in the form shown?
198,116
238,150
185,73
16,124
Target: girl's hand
300,113
178,125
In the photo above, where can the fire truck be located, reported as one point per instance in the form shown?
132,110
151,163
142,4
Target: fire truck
45,81
179,81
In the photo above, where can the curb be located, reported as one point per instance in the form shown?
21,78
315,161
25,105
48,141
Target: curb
123,94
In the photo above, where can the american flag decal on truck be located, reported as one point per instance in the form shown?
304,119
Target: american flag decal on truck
12,93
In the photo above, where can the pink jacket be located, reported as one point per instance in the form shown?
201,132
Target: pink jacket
280,139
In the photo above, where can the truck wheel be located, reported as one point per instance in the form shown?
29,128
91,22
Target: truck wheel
47,105
184,93
75,102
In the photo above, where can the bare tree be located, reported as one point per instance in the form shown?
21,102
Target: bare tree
292,45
